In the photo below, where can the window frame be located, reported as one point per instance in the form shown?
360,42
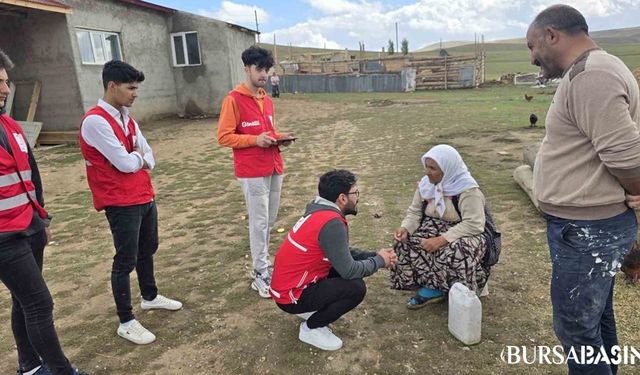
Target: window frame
103,37
185,50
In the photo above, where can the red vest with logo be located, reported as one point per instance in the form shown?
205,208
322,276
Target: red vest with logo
17,191
300,261
109,186
255,161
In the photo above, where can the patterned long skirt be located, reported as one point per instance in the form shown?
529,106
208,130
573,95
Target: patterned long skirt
459,261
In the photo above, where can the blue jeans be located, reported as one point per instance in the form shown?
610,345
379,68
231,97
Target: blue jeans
585,257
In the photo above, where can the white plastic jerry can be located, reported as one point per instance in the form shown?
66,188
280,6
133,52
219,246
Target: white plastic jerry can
465,314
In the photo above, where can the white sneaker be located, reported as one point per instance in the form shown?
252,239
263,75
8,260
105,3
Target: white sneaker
261,283
305,316
321,337
161,302
136,333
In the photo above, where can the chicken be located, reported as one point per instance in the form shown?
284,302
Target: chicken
631,264
528,97
533,119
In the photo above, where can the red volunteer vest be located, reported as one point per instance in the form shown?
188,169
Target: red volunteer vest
17,191
300,261
255,161
109,186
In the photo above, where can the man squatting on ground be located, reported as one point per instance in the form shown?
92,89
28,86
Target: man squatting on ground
316,274
247,125
118,161
24,233
589,158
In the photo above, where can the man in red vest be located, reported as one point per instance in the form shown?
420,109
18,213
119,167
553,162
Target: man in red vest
316,274
247,125
119,160
24,233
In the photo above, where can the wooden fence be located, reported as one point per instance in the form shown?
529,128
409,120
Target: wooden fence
442,73
432,73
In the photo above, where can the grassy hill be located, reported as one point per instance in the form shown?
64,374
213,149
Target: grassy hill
511,55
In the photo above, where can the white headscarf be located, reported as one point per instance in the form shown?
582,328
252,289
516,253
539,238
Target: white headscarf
456,177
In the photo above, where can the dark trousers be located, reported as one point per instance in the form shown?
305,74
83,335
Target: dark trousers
585,256
135,237
331,298
275,91
32,312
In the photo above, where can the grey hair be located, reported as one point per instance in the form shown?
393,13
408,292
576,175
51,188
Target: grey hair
562,18
5,61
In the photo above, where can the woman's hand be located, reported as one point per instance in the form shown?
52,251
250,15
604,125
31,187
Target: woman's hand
431,245
401,234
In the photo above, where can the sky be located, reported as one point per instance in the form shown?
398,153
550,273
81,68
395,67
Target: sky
345,23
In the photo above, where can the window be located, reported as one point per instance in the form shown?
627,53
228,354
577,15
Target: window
186,49
98,47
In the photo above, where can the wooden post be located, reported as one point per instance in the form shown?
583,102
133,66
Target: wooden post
484,66
33,105
446,78
275,53
255,12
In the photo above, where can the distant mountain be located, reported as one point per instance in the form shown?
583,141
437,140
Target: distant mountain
445,45
614,36
617,36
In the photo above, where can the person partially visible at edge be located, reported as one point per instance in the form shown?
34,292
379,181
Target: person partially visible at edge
118,160
247,126
24,233
316,274
440,241
588,161
275,84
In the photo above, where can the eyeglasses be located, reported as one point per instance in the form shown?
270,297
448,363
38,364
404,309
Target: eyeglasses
357,193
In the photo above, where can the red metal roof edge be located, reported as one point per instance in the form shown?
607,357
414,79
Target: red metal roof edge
145,4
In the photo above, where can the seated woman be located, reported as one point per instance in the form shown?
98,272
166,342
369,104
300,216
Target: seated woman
440,241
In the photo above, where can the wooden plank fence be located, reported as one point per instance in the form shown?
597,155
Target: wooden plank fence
432,73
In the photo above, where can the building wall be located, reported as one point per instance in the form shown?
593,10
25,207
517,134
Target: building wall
201,89
45,47
39,45
144,39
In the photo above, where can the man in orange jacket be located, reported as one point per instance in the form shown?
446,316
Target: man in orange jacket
247,126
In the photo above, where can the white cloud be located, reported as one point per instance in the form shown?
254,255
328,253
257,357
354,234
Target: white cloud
343,6
591,8
301,35
240,14
344,23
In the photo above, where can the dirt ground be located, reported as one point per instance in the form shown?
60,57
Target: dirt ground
203,258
